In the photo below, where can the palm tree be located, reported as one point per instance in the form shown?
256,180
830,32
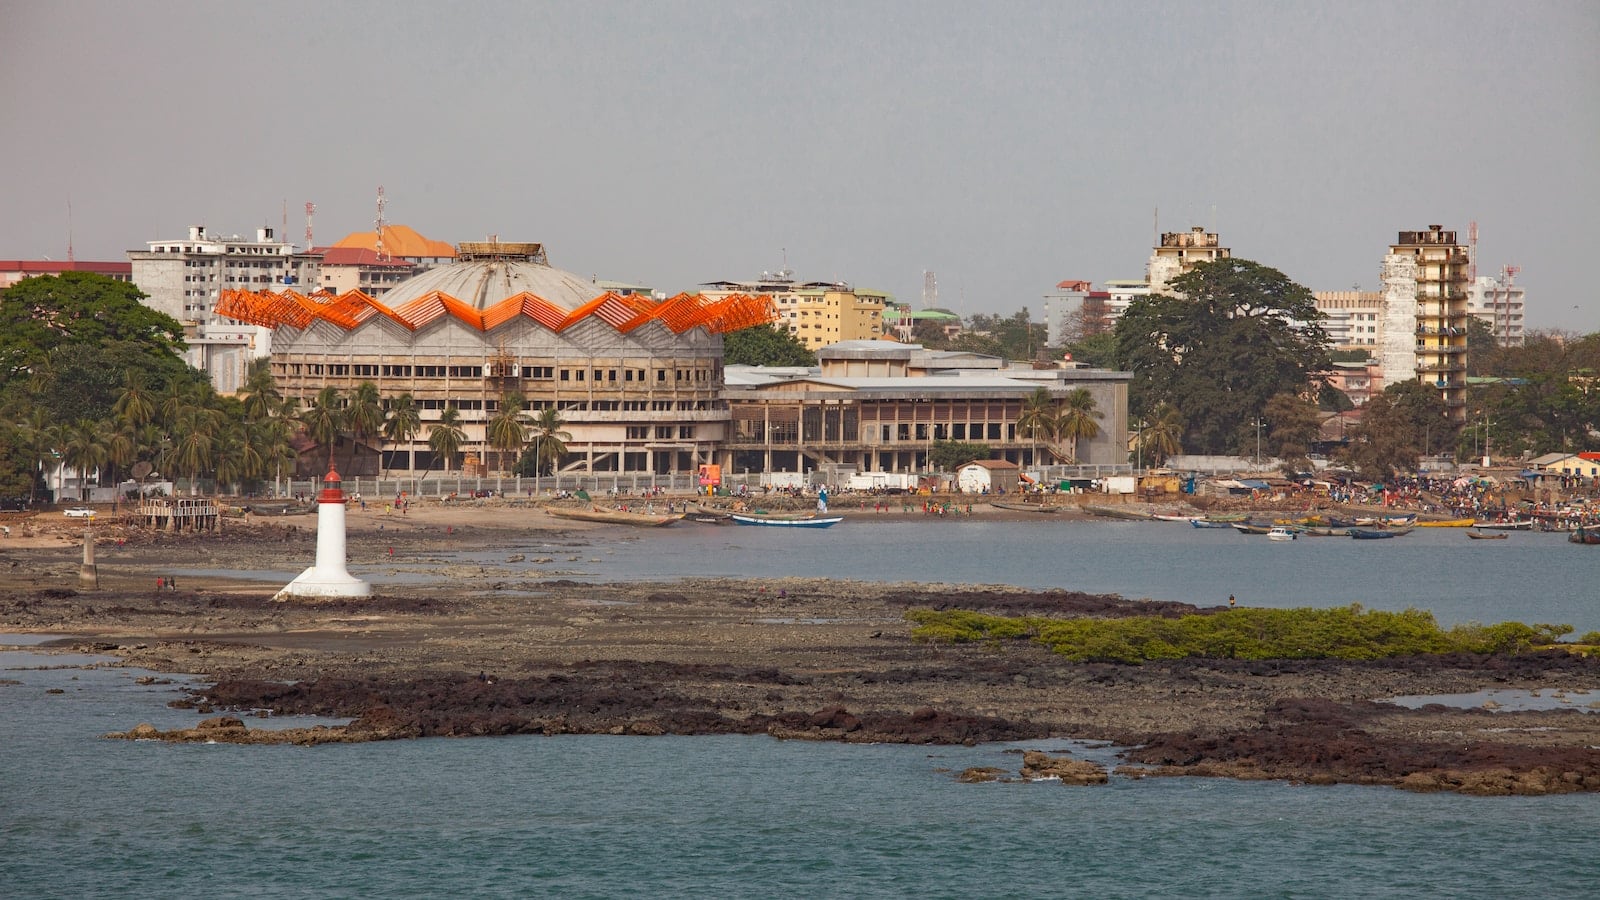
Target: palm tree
508,430
261,397
549,441
403,422
84,447
1077,420
38,438
1160,438
324,420
136,403
364,417
1038,419
446,437
195,434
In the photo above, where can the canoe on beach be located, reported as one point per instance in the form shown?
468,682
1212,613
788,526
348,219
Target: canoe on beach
614,516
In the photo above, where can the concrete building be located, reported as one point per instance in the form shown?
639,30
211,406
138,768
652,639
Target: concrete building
878,406
1075,311
14,270
1424,327
1359,381
818,313
185,279
1498,303
637,381
900,321
360,269
1180,251
1354,318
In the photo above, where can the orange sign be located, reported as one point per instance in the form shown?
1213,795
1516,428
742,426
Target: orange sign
710,475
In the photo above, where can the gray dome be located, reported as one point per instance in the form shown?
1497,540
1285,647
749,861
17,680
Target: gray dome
483,283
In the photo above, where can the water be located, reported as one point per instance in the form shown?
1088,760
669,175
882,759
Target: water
597,816
600,816
1532,577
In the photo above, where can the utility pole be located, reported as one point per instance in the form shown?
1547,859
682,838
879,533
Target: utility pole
1259,424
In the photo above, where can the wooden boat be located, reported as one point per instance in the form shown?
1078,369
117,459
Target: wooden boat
1113,512
1447,523
1480,536
1585,534
1514,525
1252,528
1025,507
1207,523
1227,518
613,516
787,523
1378,534
1327,530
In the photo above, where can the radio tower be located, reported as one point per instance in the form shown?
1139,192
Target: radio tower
930,290
311,209
378,227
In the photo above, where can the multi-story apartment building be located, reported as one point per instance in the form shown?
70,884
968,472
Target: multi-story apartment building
185,278
360,269
1424,327
1075,311
1498,303
1180,251
818,313
1354,320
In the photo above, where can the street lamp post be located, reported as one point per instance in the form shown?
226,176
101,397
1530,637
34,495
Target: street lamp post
1138,444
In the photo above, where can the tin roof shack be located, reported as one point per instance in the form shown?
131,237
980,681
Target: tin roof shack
987,476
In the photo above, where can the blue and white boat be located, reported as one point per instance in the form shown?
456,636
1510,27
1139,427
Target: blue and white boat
787,523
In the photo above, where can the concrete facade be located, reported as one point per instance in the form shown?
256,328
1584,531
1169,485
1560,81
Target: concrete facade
1499,304
817,313
1355,318
1180,251
1437,307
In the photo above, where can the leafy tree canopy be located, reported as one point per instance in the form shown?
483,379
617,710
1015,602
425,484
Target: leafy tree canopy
37,315
948,455
765,345
1238,334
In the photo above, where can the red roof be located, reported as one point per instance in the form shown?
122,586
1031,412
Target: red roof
1070,285
360,256
54,267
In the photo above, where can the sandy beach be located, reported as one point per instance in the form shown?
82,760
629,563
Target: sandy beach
796,658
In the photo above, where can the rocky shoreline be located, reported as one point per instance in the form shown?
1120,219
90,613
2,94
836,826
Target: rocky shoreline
808,659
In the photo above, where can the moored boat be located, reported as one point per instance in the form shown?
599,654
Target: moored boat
818,522
1511,525
1282,533
1446,523
613,516
1025,507
1585,534
1480,536
1378,534
1207,523
1113,512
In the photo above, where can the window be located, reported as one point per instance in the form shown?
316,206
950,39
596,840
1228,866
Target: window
638,432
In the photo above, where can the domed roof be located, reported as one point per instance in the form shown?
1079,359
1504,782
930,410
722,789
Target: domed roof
482,283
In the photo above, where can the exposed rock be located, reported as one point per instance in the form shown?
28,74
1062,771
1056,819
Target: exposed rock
1036,765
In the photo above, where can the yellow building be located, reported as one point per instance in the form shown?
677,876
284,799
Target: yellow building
1425,317
828,315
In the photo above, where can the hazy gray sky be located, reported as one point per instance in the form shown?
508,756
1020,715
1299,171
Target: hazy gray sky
1003,146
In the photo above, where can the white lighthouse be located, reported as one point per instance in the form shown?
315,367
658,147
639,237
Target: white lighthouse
329,577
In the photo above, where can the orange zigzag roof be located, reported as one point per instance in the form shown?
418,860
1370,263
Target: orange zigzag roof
291,309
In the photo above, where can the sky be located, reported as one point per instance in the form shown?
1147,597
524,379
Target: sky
1002,146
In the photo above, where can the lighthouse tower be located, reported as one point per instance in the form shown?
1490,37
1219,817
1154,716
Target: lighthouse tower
329,577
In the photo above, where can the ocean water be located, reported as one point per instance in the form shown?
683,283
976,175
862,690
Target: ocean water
1532,577
599,816
734,817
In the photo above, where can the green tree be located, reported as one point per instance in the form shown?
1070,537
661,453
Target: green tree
324,418
1394,427
1238,333
765,345
38,315
83,447
1097,351
363,418
1160,437
508,430
404,420
446,437
1077,420
951,455
1293,425
549,444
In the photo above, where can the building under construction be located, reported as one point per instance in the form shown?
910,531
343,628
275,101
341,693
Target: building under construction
637,380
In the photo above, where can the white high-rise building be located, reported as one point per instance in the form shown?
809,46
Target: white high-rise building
185,278
1499,304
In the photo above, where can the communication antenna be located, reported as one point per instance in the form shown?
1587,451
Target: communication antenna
311,209
1472,252
70,257
377,227
930,290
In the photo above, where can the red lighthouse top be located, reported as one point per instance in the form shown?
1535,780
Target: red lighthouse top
331,490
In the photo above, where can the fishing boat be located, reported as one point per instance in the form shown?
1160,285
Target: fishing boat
1447,523
613,516
1252,527
1480,536
1025,507
1113,512
1282,533
1378,534
1585,534
1326,530
1208,523
1511,525
818,522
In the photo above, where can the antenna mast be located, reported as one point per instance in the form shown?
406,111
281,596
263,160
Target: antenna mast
378,226
311,209
70,257
1472,252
